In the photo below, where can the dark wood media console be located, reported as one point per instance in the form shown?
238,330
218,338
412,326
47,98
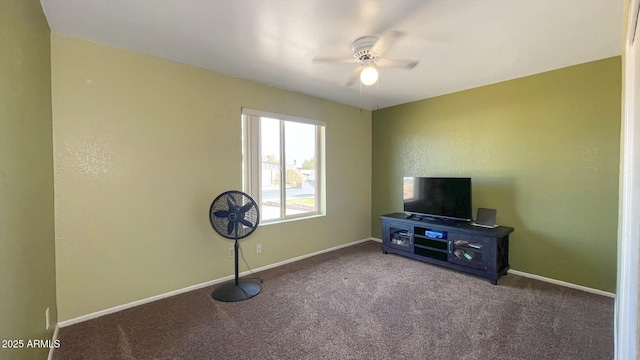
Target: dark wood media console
456,245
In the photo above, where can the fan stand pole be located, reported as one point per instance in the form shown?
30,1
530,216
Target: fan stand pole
235,252
239,289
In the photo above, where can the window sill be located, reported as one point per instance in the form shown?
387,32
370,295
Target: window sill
280,221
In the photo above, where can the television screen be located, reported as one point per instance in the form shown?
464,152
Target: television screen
438,197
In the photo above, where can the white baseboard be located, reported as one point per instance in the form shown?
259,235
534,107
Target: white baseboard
132,304
562,283
552,281
53,340
115,309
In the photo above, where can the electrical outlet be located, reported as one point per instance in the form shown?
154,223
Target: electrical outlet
258,248
231,253
46,319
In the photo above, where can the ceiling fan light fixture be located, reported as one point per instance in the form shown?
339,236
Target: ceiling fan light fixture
369,75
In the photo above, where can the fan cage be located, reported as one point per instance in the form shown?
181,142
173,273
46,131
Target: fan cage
232,202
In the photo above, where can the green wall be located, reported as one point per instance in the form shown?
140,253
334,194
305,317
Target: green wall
143,145
543,150
27,268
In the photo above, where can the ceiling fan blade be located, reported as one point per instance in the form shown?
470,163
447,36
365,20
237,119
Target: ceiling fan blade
386,41
336,60
397,63
354,77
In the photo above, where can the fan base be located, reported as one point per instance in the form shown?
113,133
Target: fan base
230,292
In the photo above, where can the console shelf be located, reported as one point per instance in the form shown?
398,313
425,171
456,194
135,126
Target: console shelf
455,245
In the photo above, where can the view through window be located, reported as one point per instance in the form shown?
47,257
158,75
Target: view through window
283,164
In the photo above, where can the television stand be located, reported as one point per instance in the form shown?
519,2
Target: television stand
455,245
421,217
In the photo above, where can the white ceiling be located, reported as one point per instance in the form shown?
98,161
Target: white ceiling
460,44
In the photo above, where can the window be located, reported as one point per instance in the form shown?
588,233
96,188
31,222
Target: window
283,164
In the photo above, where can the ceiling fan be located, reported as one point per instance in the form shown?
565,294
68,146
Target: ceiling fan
368,51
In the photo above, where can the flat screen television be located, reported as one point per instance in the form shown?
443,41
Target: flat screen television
437,198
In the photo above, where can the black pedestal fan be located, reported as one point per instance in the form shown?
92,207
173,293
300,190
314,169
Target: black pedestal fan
234,215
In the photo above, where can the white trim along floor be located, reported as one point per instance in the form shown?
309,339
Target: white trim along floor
230,277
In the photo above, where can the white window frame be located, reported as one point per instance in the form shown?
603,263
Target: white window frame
252,162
